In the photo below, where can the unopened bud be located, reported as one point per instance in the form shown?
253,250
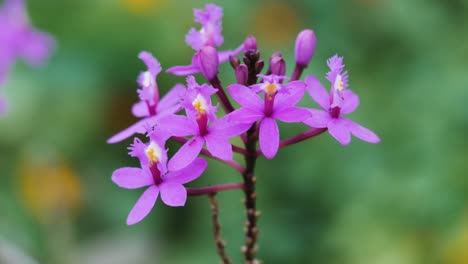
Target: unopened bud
234,61
259,66
277,64
208,59
250,43
305,47
242,74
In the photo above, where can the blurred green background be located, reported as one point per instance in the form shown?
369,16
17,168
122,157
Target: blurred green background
404,201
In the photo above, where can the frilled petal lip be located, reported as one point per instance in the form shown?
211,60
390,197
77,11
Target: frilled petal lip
318,92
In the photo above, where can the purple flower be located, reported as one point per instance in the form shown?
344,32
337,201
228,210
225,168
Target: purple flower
18,39
339,101
155,175
209,62
279,103
305,47
201,123
150,108
208,36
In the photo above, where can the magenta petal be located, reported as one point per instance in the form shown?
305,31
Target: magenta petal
224,55
350,102
317,92
339,131
173,194
140,109
269,137
245,96
179,126
36,47
290,98
172,97
186,154
361,132
292,114
144,205
187,174
296,85
219,147
137,128
222,127
184,70
131,178
244,115
319,119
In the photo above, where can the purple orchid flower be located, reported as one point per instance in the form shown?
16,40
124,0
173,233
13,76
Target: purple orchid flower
279,103
339,101
150,108
208,35
155,175
201,123
18,39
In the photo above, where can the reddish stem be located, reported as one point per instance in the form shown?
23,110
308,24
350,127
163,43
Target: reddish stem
214,189
297,72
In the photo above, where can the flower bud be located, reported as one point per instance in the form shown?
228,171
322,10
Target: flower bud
305,47
277,64
250,43
259,66
242,74
208,61
234,61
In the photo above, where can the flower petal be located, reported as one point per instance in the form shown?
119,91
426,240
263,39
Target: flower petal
179,126
219,147
187,174
350,102
35,47
245,96
140,109
289,98
172,97
131,178
339,131
137,128
143,206
173,194
361,132
184,70
292,114
222,127
318,92
269,137
186,154
319,119
244,115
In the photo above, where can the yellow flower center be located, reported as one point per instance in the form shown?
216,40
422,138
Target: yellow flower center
270,88
339,84
200,104
153,152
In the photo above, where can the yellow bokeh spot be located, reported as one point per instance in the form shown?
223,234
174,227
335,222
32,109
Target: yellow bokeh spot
142,7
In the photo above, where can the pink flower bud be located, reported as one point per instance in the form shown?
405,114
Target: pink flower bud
242,74
250,43
277,64
208,61
305,47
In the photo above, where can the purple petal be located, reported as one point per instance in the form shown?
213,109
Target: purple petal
131,178
222,127
172,97
245,96
269,137
154,67
35,47
224,55
292,114
319,119
219,147
173,194
179,126
140,109
289,98
187,174
186,154
318,92
361,132
339,131
184,70
296,85
144,205
244,115
137,128
350,102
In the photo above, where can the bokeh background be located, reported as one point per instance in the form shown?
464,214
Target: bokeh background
403,201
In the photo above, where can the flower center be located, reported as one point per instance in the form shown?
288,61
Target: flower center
270,88
147,79
339,84
200,105
153,153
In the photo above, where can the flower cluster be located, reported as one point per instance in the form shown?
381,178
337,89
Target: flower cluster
188,116
18,39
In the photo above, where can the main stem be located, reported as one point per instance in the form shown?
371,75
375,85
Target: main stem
220,244
251,230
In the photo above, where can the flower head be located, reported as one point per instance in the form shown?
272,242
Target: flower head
339,101
154,175
211,27
305,47
278,103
